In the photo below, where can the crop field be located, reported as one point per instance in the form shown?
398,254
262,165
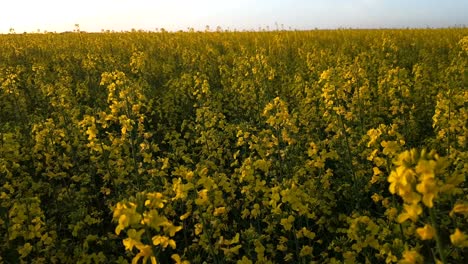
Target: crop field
323,146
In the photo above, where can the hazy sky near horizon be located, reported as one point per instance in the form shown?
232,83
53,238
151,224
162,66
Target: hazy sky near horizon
95,15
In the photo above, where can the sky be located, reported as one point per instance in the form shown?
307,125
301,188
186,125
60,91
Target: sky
173,15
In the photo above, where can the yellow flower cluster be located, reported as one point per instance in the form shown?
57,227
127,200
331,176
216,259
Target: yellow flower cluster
138,223
414,180
420,179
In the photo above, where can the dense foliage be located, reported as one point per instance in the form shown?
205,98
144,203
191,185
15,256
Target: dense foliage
345,146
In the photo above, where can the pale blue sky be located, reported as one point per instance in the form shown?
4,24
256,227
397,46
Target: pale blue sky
94,15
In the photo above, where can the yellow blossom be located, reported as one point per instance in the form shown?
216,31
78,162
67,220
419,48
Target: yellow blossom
171,229
185,216
411,257
401,181
461,208
376,197
178,259
129,243
202,197
373,134
25,250
412,211
375,177
391,213
428,185
146,251
287,223
163,241
428,188
427,232
306,251
219,211
245,260
459,239
198,228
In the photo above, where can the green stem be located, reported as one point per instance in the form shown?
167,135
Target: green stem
400,225
437,237
448,131
348,148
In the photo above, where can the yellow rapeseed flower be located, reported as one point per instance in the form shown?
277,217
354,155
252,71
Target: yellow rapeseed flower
411,257
460,208
376,197
459,239
146,251
25,250
287,223
163,241
428,188
129,243
373,134
412,211
325,75
391,213
427,232
198,228
178,260
428,185
400,180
